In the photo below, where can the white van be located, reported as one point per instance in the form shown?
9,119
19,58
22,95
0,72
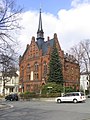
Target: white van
72,97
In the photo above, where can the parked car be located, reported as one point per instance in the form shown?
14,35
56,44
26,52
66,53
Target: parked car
88,95
71,97
12,97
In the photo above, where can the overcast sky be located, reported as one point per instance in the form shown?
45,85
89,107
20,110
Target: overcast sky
70,19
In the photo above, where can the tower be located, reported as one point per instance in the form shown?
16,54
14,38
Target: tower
40,33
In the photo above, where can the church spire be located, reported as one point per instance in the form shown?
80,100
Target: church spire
40,33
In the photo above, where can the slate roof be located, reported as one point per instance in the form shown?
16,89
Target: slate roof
44,45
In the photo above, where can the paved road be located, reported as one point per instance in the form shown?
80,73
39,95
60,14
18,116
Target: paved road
36,110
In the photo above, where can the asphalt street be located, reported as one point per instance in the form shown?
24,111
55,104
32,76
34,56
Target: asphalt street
42,110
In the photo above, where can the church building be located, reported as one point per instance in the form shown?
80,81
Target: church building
35,60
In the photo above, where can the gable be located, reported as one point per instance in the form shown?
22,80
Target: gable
31,50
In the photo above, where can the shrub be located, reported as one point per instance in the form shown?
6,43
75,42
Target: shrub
28,95
52,88
69,89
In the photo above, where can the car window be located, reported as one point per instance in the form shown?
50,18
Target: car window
76,94
73,94
12,95
66,95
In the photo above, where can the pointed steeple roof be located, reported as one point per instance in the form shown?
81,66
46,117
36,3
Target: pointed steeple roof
40,22
40,33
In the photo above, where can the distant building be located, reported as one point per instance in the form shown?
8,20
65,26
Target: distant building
84,81
35,60
11,86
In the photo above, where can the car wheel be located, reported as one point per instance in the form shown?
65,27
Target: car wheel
16,99
75,100
58,101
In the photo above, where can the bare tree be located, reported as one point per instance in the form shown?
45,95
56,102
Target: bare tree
86,54
8,69
76,51
82,53
9,24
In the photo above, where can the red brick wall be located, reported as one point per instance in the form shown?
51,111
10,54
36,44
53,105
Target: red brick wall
32,55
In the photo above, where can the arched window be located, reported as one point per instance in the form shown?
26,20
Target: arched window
28,77
28,68
36,70
36,76
45,68
36,66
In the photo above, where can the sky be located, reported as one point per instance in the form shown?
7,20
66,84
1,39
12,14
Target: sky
70,19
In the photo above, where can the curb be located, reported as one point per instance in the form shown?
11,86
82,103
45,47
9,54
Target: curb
5,106
39,99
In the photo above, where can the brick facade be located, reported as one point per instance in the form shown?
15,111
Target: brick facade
34,63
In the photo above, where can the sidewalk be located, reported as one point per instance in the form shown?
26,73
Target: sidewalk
38,99
4,105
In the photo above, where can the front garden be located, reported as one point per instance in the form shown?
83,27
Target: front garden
47,91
